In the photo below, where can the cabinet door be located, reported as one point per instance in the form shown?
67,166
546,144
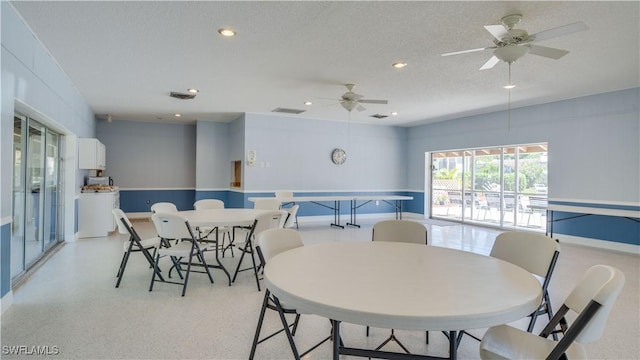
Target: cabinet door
100,156
91,154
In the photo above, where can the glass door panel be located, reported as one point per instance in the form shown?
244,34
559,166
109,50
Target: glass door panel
532,186
467,176
19,221
446,187
50,218
35,192
486,185
509,186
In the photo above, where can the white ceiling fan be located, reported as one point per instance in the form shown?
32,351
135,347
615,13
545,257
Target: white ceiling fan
351,100
512,44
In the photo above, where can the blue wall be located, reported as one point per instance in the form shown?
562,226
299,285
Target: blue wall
5,258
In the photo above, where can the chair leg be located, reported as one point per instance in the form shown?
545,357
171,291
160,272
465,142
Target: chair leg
255,268
186,276
286,329
256,337
204,264
123,265
244,251
155,268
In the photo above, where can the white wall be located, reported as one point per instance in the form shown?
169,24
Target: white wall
594,151
295,154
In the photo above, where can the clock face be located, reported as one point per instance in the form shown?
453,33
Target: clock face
338,156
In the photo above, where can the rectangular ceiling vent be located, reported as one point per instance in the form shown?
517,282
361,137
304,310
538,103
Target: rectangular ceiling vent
182,96
287,111
379,116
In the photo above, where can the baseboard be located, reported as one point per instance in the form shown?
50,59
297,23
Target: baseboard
6,302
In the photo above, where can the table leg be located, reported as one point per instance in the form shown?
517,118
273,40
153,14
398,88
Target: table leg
352,214
217,255
336,339
336,214
453,345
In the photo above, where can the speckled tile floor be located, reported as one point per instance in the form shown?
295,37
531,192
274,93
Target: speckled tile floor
70,305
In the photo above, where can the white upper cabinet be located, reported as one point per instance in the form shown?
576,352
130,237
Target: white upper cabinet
91,154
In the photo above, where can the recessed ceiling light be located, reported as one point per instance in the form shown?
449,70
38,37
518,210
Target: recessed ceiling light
193,91
394,113
308,103
227,32
509,86
178,115
399,65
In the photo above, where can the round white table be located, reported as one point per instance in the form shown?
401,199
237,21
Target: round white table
401,286
217,218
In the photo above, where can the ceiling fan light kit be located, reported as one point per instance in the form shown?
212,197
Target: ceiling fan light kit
511,44
350,100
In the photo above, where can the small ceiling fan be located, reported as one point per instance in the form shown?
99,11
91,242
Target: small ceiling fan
512,44
351,100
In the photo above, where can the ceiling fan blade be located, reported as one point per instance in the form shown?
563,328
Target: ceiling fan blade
368,101
498,31
547,52
559,31
468,51
491,63
360,108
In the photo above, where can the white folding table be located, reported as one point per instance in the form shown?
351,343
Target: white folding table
401,286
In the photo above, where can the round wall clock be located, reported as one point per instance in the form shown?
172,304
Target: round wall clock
338,156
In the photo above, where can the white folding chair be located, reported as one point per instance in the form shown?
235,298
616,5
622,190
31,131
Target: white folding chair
163,207
272,242
176,226
288,206
533,252
204,232
269,220
134,244
405,231
592,300
292,217
267,204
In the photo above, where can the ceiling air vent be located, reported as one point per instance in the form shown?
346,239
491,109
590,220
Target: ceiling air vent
288,111
379,116
182,96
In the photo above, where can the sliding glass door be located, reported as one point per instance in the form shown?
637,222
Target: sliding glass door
500,186
35,192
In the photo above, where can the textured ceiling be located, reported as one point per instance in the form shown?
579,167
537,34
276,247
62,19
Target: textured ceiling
125,57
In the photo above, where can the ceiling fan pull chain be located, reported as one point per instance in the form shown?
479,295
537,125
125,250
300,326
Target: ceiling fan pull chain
509,111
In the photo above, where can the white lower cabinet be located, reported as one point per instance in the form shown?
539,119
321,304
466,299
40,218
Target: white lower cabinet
94,213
